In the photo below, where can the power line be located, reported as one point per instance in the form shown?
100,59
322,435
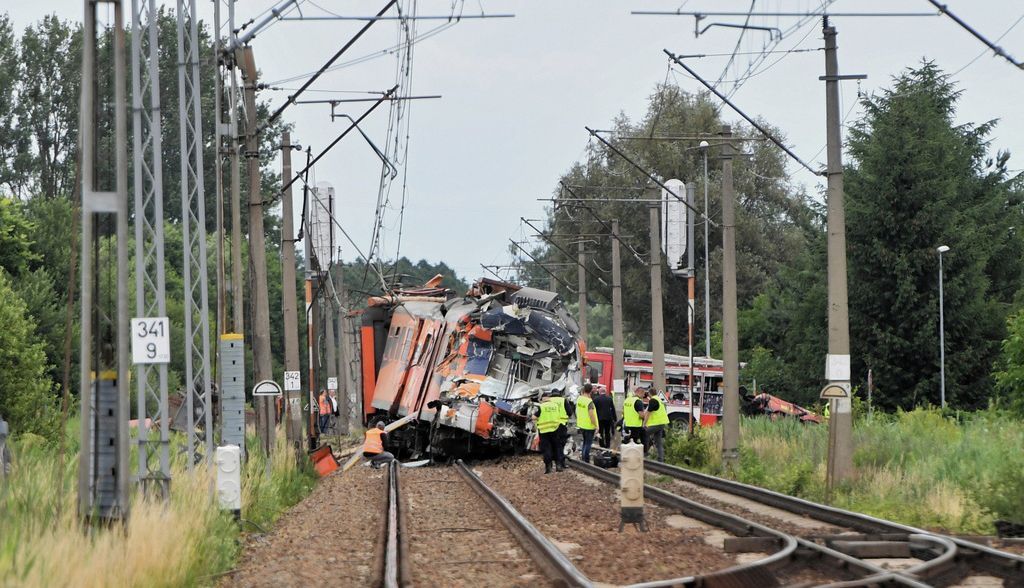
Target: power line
982,54
750,120
604,224
995,48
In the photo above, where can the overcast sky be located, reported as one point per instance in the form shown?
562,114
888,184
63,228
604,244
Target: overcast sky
517,93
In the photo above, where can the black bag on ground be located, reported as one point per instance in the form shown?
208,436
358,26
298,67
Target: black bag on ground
604,458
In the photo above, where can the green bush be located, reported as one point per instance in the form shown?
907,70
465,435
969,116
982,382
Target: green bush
687,450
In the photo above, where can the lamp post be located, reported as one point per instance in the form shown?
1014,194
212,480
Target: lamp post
942,333
707,280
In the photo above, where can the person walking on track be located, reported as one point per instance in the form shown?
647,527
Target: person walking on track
655,422
586,420
551,417
606,417
373,446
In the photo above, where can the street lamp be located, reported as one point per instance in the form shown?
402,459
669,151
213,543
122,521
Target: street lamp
707,280
942,333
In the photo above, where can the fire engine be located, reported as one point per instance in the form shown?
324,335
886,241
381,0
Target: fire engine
638,370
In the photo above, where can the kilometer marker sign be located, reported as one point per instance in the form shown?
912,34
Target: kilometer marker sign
151,340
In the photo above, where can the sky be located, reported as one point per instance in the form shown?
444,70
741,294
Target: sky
517,93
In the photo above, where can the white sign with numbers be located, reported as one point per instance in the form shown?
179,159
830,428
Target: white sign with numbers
151,340
332,383
292,382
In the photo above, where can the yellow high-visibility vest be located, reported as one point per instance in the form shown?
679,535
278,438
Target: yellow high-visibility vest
630,417
552,414
583,404
660,416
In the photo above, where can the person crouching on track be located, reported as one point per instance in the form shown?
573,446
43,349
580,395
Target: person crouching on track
586,420
373,446
551,418
655,422
632,417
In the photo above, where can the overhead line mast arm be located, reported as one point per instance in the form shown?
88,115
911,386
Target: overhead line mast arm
649,175
291,99
559,247
604,224
354,124
535,260
750,120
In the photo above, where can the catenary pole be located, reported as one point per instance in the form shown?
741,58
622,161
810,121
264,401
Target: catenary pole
618,369
262,366
837,364
581,276
289,301
730,342
657,317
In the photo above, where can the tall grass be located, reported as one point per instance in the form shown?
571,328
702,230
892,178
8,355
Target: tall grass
183,542
958,472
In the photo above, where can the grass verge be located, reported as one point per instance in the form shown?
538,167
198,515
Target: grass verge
954,471
185,542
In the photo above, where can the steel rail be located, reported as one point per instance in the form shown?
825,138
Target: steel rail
793,548
1002,563
552,561
395,572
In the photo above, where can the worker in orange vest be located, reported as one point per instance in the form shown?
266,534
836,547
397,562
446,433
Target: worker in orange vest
325,411
373,446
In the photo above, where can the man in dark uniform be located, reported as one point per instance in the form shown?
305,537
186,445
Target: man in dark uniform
606,417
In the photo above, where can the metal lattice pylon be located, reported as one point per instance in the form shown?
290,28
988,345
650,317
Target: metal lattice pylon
193,227
150,288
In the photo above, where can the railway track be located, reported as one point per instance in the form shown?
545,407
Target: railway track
962,560
479,525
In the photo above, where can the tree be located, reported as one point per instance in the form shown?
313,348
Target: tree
26,398
917,180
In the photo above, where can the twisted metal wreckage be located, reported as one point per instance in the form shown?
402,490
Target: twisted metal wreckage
466,368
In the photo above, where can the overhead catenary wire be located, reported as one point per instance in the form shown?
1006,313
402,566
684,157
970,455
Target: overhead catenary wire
316,75
747,118
541,265
943,9
982,54
563,251
649,175
604,224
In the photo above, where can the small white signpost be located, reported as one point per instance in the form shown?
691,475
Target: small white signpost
266,388
332,384
292,382
151,340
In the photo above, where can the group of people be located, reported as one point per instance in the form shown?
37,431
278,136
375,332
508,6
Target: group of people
645,420
328,407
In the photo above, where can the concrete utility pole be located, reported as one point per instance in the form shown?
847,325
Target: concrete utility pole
730,336
289,302
310,319
331,356
262,366
581,276
657,317
691,299
618,371
345,386
837,364
237,309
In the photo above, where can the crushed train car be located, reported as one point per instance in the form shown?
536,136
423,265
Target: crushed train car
467,367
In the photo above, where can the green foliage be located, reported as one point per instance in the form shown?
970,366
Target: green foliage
922,467
687,450
1009,372
918,180
16,231
26,398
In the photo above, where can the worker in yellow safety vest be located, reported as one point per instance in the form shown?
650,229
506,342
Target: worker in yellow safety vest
655,423
586,420
551,417
632,421
373,446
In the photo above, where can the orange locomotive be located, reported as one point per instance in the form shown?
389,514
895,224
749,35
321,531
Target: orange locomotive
467,368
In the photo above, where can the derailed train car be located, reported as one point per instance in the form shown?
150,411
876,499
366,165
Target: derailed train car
466,368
